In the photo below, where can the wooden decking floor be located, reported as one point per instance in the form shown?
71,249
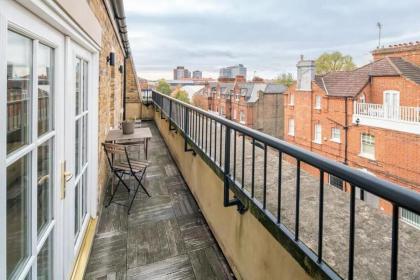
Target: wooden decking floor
164,237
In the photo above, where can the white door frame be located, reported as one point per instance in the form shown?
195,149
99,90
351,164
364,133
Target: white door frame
33,25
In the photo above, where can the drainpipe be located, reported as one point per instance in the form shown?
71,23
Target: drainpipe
125,88
118,7
346,127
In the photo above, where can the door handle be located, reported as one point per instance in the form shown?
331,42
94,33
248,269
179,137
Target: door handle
65,177
68,176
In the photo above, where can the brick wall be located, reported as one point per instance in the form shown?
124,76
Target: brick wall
396,154
110,85
410,52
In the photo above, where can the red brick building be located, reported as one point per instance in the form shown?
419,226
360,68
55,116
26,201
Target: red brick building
256,104
368,118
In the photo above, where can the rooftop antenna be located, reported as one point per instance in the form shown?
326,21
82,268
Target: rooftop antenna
379,25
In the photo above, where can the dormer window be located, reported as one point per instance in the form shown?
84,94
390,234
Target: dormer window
243,91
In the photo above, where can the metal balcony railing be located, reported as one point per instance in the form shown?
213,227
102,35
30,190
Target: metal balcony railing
213,136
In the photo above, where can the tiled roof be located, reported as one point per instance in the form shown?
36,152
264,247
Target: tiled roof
275,88
350,83
407,69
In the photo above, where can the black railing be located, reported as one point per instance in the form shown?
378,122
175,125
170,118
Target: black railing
215,137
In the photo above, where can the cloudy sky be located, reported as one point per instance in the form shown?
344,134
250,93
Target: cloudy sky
267,36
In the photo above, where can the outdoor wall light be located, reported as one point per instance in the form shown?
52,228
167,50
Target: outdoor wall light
357,121
121,69
111,59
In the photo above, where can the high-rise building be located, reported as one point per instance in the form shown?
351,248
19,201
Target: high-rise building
233,71
180,72
197,74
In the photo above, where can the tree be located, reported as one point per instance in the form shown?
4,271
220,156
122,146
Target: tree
285,79
163,87
182,95
333,62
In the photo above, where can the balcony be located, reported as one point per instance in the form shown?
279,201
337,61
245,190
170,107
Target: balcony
401,118
265,203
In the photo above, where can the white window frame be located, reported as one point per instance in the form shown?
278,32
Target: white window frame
334,137
318,102
242,117
317,133
362,152
291,127
292,99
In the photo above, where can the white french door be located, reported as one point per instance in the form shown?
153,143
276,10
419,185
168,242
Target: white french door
32,55
77,152
48,132
392,104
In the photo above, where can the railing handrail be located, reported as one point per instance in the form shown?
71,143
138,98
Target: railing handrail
387,190
381,105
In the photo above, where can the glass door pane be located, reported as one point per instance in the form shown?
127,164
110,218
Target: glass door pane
18,214
19,84
81,134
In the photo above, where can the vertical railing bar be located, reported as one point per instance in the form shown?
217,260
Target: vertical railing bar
234,155
321,215
297,200
394,244
211,126
243,160
215,141
207,132
202,132
221,140
253,168
351,232
279,189
265,178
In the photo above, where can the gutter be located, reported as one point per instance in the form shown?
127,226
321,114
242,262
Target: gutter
118,7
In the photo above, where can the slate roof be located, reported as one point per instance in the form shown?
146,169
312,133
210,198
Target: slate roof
275,88
350,83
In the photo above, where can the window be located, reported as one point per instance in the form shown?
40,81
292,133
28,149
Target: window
318,102
222,111
234,114
410,218
318,134
292,127
335,134
362,98
241,117
335,181
368,146
292,99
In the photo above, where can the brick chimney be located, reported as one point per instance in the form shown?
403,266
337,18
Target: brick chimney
258,80
409,51
305,74
240,79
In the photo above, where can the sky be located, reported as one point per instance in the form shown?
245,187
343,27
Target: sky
267,36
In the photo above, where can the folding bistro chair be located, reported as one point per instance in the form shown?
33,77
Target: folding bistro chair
121,165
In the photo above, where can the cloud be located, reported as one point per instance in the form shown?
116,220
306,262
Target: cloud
267,36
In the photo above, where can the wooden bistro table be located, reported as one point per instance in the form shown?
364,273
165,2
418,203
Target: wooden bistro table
143,133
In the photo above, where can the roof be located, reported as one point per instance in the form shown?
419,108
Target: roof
253,96
275,88
407,69
191,90
350,83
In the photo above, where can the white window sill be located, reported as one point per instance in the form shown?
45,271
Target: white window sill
371,157
241,122
316,108
335,140
291,105
291,134
319,142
